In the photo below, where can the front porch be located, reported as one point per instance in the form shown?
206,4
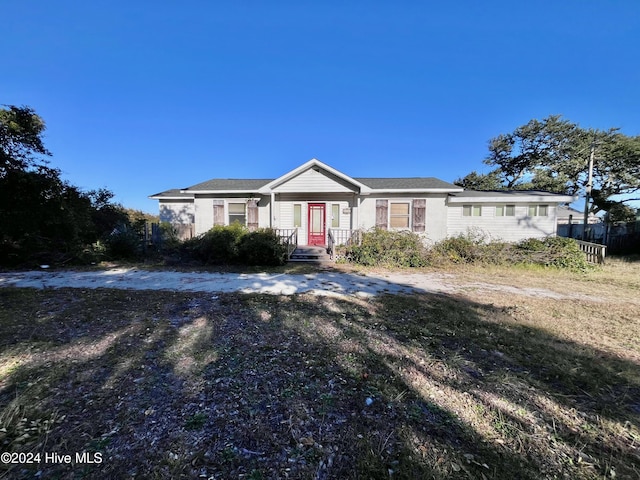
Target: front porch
316,253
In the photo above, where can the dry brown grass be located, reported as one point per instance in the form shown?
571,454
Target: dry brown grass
480,385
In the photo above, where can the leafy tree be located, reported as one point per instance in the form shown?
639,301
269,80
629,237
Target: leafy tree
553,155
481,181
20,139
43,217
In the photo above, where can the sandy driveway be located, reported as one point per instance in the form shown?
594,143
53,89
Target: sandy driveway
320,283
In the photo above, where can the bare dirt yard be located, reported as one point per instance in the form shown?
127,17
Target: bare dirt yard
482,373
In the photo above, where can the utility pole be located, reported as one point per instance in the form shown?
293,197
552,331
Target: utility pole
588,191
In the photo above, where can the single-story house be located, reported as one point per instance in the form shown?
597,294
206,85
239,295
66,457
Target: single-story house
320,202
568,215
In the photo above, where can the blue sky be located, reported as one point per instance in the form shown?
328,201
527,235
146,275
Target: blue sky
143,96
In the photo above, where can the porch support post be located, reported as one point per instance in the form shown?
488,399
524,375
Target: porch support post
272,213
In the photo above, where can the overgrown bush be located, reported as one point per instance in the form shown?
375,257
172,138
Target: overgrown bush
261,247
123,244
406,249
234,244
388,248
565,253
552,251
219,245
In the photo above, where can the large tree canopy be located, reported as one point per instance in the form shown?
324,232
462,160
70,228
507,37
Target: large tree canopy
21,145
44,217
553,155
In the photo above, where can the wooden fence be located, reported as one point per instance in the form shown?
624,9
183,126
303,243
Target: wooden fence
153,232
595,252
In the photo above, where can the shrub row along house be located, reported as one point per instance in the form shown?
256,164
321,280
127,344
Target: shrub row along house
318,201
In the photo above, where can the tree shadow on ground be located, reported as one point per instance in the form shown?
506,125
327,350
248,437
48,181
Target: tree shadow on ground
181,385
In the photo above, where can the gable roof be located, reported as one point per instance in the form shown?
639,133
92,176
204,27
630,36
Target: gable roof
264,186
317,165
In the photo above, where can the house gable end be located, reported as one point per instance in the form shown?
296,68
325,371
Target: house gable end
317,175
315,180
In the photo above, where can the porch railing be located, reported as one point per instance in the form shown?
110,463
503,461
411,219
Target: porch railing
342,236
594,251
289,238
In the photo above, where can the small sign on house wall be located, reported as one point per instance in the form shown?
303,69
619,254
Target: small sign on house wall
346,210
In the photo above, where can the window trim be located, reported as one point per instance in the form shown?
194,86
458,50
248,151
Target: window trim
407,216
335,219
505,210
241,202
297,224
471,209
536,209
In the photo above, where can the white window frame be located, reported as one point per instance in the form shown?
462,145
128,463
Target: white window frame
537,210
505,210
297,224
335,219
236,202
472,209
408,215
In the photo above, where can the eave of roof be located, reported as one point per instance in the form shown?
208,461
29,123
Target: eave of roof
172,194
409,184
509,195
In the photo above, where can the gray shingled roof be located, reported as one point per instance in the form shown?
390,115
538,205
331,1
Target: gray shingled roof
174,192
405,183
231,184
502,193
252,185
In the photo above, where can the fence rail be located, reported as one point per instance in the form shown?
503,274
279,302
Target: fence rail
595,252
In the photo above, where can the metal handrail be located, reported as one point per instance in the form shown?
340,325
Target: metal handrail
292,243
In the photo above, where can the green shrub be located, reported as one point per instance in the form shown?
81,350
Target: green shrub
123,244
405,249
460,249
219,245
261,247
565,253
388,248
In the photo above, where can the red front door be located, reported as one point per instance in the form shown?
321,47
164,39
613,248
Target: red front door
317,223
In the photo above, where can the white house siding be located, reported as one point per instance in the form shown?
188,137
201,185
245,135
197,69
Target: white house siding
313,181
264,211
204,210
177,211
506,228
436,212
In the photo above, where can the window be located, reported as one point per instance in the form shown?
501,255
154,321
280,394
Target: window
335,215
399,215
472,210
538,210
505,210
297,215
237,213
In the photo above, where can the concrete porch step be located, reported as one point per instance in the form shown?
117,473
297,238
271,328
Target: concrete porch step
310,254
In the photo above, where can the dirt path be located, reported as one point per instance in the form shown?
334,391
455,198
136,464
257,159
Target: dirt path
321,283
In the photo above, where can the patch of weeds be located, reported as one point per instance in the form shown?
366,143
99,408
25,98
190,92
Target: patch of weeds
196,421
255,475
